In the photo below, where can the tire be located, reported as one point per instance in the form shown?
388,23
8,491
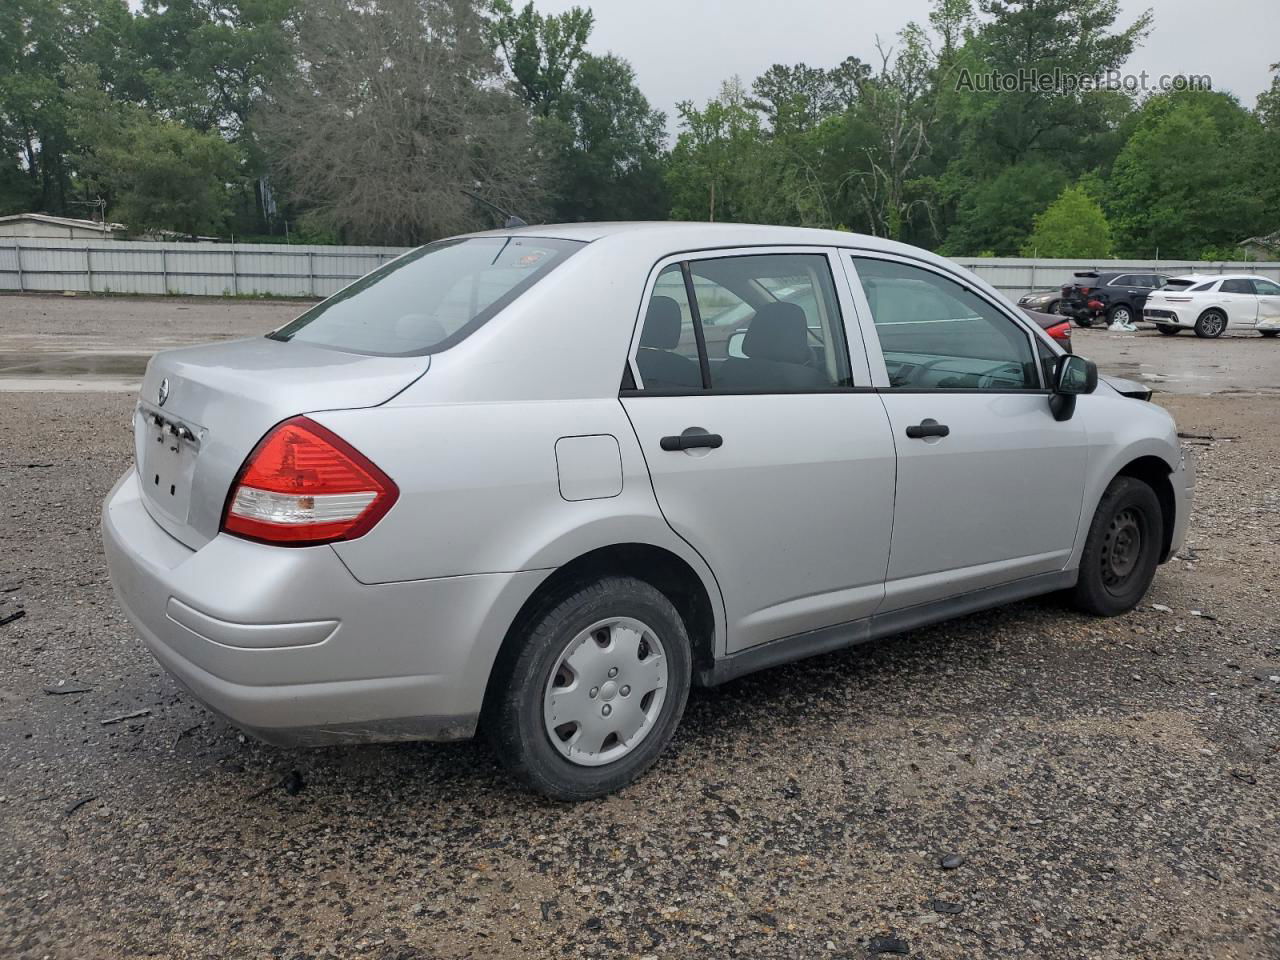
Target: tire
1211,325
1084,321
633,618
1168,330
1122,550
1270,333
1120,313
1052,306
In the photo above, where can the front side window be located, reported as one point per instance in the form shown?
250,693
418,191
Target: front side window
428,299
762,323
1265,288
936,334
1237,286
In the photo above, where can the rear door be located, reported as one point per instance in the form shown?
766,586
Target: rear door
770,453
1268,303
989,485
1238,298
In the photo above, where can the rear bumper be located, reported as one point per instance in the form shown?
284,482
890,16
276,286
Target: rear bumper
1165,317
288,645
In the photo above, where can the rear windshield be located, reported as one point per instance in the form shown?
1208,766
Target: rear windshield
430,299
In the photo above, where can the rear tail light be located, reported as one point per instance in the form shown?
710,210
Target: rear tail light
303,485
1060,331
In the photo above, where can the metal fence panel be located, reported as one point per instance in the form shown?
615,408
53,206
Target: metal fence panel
294,270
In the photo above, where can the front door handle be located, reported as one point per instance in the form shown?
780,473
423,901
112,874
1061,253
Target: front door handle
928,428
690,441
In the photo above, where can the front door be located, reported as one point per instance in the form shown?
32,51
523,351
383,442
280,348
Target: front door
1240,302
990,486
768,452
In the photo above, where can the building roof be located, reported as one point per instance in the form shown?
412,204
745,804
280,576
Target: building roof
69,222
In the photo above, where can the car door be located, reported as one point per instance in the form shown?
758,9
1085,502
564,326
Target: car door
770,453
1268,303
1238,298
990,485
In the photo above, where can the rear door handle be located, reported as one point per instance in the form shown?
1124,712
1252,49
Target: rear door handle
690,441
928,428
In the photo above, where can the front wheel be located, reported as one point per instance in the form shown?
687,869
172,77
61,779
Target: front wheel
594,691
1167,330
1122,550
1211,324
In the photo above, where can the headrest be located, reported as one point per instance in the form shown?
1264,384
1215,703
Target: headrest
662,324
779,331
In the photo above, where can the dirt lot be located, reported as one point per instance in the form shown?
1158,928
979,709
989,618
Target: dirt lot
1112,787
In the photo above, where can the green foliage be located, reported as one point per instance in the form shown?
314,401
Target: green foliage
715,164
1073,227
1189,177
541,50
997,214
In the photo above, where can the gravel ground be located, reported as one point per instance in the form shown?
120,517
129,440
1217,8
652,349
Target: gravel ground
1110,787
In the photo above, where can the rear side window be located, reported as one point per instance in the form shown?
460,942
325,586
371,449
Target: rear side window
763,323
936,334
1237,286
430,299
1204,286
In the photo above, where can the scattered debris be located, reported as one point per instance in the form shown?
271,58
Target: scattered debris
17,615
186,733
66,691
894,945
291,781
1244,777
951,861
126,716
78,804
1202,615
1162,608
945,906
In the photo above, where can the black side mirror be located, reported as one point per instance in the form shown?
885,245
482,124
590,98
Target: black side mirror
1072,376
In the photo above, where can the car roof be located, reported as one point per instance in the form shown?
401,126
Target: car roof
694,233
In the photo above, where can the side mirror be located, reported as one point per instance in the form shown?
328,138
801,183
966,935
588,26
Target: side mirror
1072,376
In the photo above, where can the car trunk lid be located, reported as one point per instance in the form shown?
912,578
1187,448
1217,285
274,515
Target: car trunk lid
202,410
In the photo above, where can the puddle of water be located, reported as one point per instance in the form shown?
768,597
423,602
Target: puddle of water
63,365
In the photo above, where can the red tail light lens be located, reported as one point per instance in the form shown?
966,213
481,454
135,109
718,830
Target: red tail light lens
303,485
1096,304
1085,291
1060,331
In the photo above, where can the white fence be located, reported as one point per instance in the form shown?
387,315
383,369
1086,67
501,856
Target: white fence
193,269
283,270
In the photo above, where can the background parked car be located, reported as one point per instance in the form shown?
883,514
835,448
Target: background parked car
1055,326
1210,306
1119,297
1045,301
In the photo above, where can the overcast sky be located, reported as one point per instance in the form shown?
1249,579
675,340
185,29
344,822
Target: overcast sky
683,49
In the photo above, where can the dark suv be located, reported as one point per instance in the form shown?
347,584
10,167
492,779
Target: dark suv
1119,297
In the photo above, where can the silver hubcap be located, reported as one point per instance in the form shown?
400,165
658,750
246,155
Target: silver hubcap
1121,315
1213,324
605,692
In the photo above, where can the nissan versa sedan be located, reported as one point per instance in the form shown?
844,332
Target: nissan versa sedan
526,483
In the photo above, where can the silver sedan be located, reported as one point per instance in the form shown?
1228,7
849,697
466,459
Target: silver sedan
539,482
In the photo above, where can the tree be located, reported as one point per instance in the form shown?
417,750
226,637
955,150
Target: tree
1189,177
1073,227
795,99
608,146
40,41
715,159
541,50
997,214
398,107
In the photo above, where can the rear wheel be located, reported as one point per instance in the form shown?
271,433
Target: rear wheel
1122,550
595,690
1168,330
1120,314
1211,324
1084,321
